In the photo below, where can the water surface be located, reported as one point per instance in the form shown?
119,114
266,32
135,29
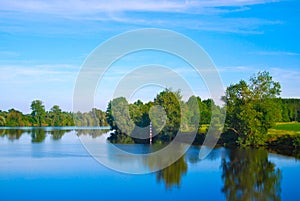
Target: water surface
52,164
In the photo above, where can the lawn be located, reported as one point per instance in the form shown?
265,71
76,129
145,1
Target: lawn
290,128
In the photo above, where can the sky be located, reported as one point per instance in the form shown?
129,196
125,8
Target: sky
43,44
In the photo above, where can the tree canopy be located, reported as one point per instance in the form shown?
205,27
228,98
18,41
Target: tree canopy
252,108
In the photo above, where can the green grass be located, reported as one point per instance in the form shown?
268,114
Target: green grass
290,128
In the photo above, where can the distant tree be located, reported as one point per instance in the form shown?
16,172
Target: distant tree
14,118
118,117
2,121
206,107
38,112
170,101
56,116
252,108
190,115
101,117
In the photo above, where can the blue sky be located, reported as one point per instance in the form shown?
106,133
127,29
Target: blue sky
44,43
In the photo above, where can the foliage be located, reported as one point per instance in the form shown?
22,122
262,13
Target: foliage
290,109
38,112
252,108
55,117
170,102
2,121
168,113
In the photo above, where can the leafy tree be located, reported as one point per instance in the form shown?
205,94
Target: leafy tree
38,112
170,102
101,117
2,121
56,116
290,109
16,118
206,110
3,115
251,108
118,117
190,115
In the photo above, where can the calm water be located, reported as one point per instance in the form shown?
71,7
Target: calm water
52,164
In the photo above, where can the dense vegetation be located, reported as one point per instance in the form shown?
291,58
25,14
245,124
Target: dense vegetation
55,117
252,109
169,115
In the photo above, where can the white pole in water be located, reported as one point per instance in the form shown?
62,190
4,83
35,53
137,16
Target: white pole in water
150,132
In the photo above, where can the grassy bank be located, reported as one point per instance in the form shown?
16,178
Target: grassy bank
289,128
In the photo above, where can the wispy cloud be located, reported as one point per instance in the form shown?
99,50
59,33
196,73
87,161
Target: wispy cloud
289,80
237,69
8,54
95,6
286,74
276,53
207,15
38,73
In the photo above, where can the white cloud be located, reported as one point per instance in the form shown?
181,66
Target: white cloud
136,13
37,73
95,6
236,69
286,75
277,53
9,53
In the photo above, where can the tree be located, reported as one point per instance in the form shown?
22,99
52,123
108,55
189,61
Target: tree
190,115
38,112
2,121
170,102
14,118
56,116
118,117
252,108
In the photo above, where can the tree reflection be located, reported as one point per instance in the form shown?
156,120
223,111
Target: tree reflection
12,134
38,135
171,175
58,134
94,133
249,175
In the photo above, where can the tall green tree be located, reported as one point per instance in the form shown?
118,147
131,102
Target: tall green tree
252,108
2,121
14,118
38,112
118,117
56,116
170,101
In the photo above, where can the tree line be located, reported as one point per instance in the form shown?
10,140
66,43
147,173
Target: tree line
169,115
54,117
252,107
